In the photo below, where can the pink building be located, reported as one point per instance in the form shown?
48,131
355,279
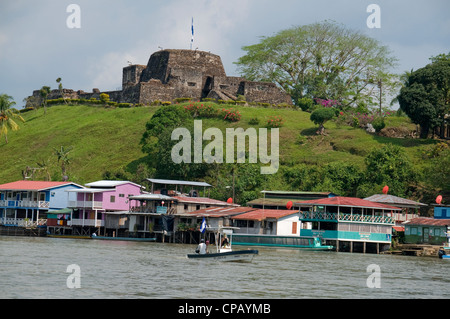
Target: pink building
100,199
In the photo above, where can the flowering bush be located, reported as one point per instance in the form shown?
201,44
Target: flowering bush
327,103
275,121
230,115
201,110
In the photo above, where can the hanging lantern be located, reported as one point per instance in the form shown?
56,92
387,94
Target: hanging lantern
439,200
385,189
289,205
230,200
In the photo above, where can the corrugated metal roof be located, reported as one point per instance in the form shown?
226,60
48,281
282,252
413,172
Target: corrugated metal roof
176,182
106,183
428,221
33,185
346,202
393,200
202,200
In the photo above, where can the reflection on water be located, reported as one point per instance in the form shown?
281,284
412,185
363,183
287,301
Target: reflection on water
36,268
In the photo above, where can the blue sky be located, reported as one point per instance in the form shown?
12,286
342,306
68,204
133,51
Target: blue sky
36,46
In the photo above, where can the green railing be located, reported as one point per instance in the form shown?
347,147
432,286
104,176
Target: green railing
341,217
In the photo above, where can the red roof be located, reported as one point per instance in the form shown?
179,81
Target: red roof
428,221
261,214
218,211
31,185
202,200
346,201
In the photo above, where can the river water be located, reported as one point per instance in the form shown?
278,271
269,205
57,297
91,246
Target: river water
37,268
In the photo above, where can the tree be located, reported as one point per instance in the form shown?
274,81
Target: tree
44,92
63,156
7,116
60,88
389,165
321,60
425,96
320,116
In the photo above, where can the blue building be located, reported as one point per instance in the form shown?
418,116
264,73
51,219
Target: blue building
26,203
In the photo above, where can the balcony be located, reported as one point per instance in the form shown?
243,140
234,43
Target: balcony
86,222
343,217
24,204
22,222
85,204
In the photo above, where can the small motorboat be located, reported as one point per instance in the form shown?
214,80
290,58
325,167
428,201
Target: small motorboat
442,253
224,238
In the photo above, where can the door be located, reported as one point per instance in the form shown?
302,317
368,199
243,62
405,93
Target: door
426,234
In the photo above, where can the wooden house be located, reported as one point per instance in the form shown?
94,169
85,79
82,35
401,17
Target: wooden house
26,203
425,230
410,208
349,224
101,199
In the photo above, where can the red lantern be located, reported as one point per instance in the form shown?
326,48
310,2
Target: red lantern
439,200
385,189
230,200
289,205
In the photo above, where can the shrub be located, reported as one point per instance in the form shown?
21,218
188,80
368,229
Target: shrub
253,121
378,124
230,115
275,121
305,104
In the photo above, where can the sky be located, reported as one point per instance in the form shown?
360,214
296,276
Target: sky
37,46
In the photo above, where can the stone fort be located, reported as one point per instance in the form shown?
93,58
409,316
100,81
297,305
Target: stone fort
172,74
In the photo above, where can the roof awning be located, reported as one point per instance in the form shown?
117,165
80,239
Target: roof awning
175,182
152,197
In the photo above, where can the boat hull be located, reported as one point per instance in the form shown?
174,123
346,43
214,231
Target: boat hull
124,238
236,256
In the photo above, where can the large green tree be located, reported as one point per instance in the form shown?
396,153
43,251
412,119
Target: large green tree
8,116
425,96
322,60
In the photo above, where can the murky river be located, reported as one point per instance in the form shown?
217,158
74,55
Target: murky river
37,268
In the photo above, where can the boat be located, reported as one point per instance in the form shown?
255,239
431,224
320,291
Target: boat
224,252
304,243
442,253
68,236
124,238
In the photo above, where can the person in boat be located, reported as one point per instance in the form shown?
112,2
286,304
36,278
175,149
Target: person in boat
201,248
225,241
441,252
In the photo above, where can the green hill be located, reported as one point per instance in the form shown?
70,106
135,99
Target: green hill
107,140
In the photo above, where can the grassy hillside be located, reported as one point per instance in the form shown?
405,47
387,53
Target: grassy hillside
107,139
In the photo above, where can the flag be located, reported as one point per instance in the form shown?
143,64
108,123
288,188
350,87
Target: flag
192,31
203,226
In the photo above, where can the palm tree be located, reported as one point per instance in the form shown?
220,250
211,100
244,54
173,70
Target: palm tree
44,91
7,116
63,156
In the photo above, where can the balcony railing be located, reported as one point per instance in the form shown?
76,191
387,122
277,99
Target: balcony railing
22,222
86,222
342,217
24,204
85,204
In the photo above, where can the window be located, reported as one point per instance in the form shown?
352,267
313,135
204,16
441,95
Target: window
112,199
413,230
121,195
192,84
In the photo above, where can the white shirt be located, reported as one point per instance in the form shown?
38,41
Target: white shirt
202,248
